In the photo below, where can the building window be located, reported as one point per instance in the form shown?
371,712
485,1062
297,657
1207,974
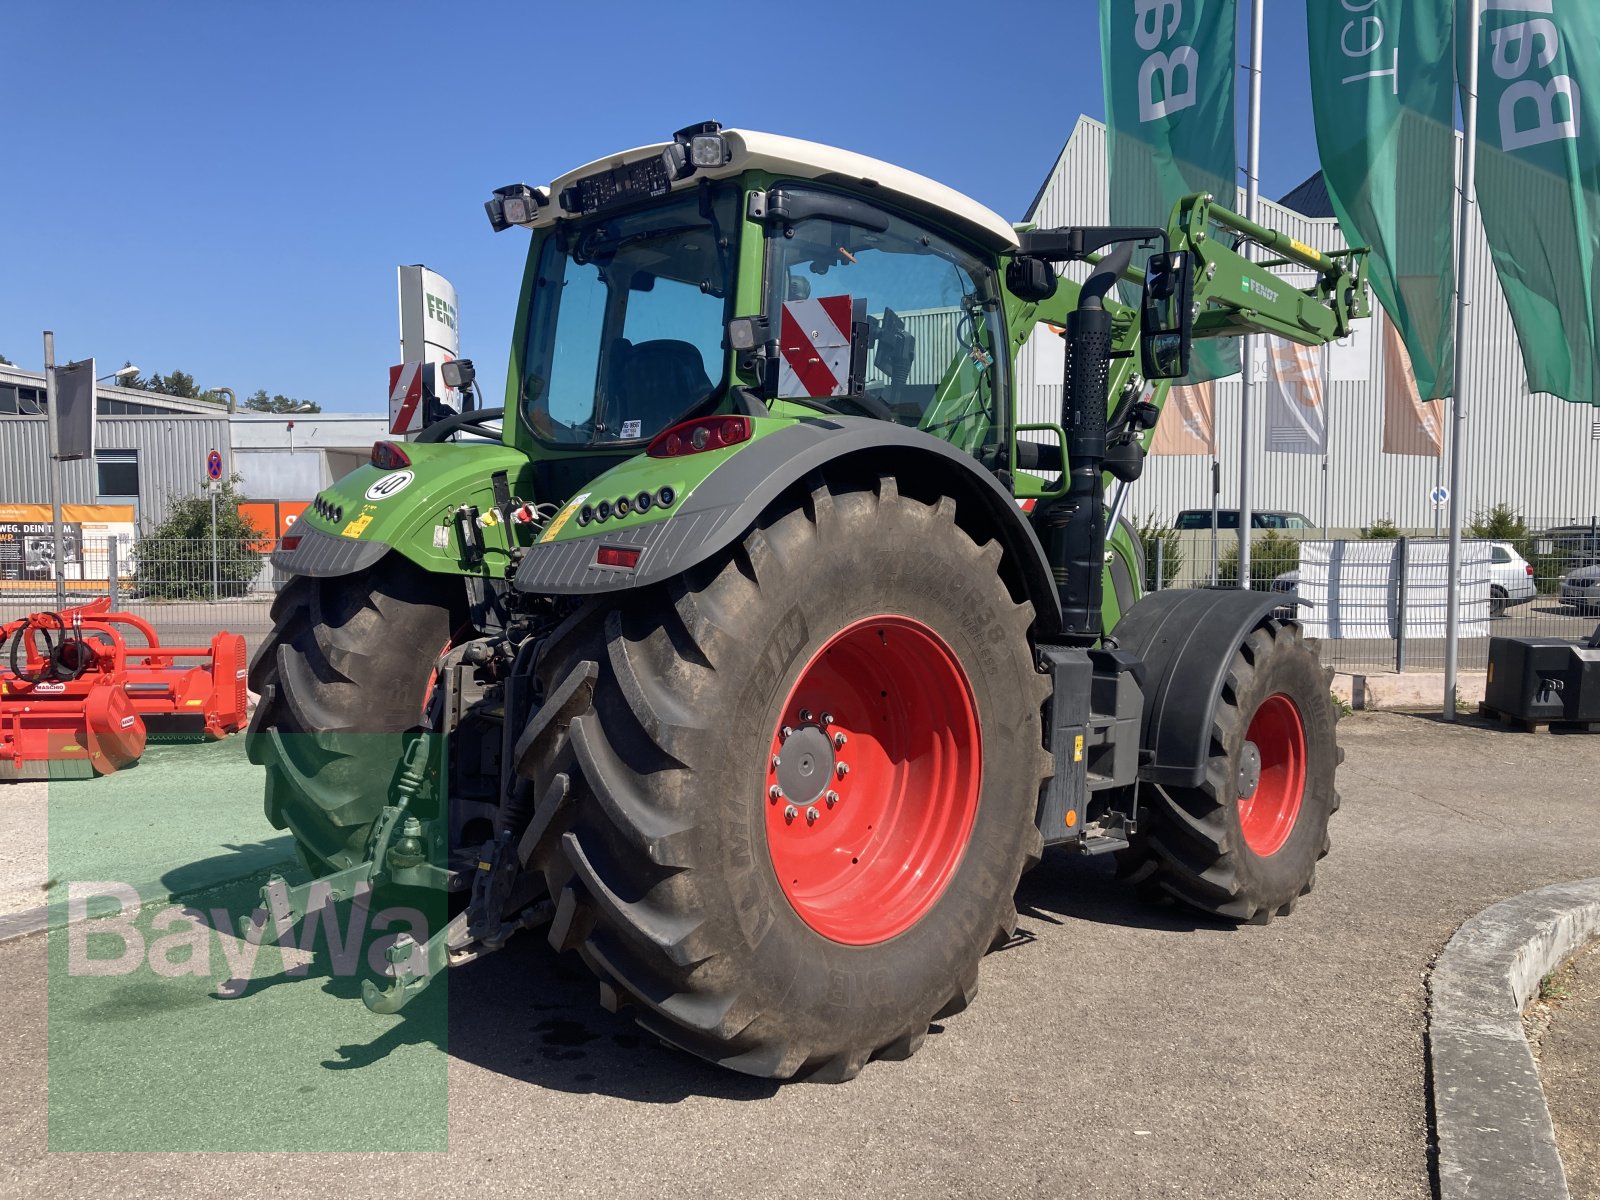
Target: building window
116,474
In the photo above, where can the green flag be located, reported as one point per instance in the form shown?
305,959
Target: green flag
1383,99
1539,181
1169,79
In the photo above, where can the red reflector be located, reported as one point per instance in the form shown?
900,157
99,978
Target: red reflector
626,557
703,433
387,456
289,542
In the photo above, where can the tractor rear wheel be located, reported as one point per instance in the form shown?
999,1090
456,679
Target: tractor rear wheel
343,675
791,819
1246,842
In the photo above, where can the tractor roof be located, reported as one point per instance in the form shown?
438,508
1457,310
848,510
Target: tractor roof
771,152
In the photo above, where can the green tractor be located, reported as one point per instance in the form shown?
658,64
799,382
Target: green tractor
763,649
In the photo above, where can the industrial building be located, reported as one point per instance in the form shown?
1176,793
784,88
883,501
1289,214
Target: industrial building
1537,453
150,448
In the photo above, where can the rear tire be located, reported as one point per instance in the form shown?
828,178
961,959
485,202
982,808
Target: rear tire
343,675
664,842
1498,602
1245,844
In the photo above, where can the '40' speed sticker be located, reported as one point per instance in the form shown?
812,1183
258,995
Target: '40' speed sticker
390,484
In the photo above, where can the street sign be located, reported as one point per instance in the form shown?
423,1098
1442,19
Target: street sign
214,465
74,396
1440,496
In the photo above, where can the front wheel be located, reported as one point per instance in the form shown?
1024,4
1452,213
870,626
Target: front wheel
1246,842
797,806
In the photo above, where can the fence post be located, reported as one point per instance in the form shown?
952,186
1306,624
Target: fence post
1400,607
1161,562
111,569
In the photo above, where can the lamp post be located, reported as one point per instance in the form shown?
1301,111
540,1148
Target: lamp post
127,372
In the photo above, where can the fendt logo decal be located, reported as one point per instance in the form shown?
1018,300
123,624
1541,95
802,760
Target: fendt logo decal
389,485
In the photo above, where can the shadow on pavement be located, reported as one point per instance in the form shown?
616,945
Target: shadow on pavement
1065,887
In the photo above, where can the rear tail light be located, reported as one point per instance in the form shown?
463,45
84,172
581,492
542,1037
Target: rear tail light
387,456
694,437
289,542
626,557
1530,568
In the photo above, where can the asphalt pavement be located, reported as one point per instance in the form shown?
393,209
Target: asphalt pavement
1114,1050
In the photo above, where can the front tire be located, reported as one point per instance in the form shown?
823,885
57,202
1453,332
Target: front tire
697,863
1245,844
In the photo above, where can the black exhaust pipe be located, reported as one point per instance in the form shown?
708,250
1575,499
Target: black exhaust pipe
1075,525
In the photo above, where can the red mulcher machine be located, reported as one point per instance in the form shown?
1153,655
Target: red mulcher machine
77,700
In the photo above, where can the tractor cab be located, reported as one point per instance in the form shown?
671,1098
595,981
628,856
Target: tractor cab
736,272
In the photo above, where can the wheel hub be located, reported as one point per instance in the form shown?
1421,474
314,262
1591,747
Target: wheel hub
1249,770
805,764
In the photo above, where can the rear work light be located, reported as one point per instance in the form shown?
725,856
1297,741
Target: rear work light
626,557
703,433
387,456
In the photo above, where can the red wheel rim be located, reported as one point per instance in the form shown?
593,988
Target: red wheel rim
863,855
1267,815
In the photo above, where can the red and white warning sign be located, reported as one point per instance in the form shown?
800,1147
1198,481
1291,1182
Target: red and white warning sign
814,347
405,397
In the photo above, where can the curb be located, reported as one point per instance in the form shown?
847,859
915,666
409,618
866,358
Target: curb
1491,1124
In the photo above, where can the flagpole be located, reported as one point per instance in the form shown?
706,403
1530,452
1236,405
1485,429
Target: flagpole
1252,186
1469,179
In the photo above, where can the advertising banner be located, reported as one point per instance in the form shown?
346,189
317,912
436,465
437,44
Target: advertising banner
1539,181
1188,422
1383,100
1411,425
1297,422
28,549
1169,82
429,331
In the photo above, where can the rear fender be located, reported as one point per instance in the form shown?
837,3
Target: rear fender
730,499
411,511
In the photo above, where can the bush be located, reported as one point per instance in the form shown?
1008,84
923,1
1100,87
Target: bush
1381,530
1271,554
174,562
1502,524
1153,532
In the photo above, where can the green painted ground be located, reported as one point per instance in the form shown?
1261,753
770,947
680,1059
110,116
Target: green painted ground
188,1045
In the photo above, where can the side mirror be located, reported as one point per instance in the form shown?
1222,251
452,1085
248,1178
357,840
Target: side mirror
1167,310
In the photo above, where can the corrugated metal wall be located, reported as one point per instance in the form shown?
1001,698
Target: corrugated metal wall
1537,453
172,459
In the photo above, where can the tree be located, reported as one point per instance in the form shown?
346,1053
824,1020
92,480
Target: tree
259,401
1152,531
175,561
6,362
1271,554
1381,530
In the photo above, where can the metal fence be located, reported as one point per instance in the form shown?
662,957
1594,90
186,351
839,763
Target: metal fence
1380,605
186,588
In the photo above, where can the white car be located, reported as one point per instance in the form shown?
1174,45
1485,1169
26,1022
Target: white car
1581,589
1510,579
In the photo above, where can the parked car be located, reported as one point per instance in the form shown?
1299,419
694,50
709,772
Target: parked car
1511,582
1228,518
1511,579
1581,589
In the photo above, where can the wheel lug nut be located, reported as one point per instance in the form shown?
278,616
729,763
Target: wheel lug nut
774,793
843,769
839,740
811,816
790,812
786,732
805,714
832,798
827,718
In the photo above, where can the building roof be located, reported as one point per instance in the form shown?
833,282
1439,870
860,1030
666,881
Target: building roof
123,401
1310,199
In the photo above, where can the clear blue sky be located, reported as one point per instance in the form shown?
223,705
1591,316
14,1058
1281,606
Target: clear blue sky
227,188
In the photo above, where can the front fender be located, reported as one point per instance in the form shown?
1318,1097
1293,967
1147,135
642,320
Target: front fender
410,511
737,491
